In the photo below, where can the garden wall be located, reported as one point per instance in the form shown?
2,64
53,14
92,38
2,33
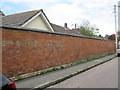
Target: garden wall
26,50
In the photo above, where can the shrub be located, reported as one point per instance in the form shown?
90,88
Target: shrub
54,69
62,67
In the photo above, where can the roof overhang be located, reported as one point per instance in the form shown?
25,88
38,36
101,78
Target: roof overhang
43,17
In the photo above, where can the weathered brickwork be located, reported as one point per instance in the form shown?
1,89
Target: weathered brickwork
25,51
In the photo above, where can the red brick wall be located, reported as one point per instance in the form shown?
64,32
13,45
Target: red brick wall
25,51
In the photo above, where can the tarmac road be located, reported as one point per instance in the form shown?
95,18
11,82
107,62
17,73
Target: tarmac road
102,76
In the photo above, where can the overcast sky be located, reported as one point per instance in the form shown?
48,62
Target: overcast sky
98,12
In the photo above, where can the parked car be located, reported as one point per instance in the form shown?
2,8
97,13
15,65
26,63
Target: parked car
118,50
5,83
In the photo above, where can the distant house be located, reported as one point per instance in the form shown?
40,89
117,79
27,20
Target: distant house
111,37
35,19
65,29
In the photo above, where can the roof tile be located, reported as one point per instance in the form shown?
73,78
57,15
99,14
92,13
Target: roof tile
65,30
18,19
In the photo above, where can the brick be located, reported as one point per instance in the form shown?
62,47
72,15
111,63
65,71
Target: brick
24,52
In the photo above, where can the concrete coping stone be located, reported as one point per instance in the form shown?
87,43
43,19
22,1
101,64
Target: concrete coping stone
48,32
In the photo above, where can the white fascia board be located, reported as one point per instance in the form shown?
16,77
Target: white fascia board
45,19
30,19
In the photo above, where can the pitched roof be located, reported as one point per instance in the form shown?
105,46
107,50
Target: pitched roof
65,30
1,13
19,18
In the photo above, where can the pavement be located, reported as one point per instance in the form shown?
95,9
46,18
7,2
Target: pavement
102,76
41,80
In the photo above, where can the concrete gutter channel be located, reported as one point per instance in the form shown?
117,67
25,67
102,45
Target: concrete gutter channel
52,78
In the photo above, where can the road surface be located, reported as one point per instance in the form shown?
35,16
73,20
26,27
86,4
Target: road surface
102,76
